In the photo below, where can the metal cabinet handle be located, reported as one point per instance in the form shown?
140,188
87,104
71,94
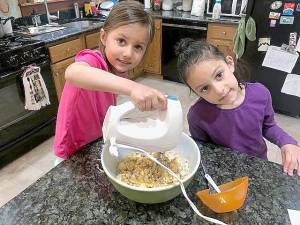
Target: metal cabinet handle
184,26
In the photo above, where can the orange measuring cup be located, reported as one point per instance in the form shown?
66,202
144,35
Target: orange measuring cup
231,197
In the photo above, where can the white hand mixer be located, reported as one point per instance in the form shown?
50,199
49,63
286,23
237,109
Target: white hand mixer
153,131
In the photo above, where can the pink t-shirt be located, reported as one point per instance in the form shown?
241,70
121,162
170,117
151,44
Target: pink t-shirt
81,112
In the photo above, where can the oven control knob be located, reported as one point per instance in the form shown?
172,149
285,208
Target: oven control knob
13,60
36,52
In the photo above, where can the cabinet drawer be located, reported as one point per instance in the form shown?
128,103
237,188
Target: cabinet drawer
92,40
221,31
65,50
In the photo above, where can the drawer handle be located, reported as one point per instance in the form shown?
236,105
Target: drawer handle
224,32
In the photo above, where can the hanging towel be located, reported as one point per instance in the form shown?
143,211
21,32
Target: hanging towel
251,29
36,93
239,39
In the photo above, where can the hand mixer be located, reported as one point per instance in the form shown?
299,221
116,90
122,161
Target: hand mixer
153,131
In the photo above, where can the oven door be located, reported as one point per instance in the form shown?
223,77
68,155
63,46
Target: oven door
15,120
172,32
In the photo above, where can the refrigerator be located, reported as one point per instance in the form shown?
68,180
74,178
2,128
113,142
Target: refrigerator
279,34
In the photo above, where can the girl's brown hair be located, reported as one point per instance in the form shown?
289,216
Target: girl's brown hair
191,52
128,12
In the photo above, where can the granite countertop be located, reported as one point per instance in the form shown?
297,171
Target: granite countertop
78,192
181,16
68,32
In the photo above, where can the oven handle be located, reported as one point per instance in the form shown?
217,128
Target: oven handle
16,73
184,26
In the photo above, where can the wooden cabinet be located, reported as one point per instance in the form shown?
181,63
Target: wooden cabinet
58,73
62,55
92,40
152,60
222,35
66,50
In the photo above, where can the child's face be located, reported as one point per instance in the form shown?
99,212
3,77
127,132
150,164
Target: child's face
125,46
214,81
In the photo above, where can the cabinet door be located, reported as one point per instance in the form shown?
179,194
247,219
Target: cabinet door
224,46
153,56
92,40
222,35
66,50
137,71
58,72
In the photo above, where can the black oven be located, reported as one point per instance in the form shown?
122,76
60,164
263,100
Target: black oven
21,129
172,32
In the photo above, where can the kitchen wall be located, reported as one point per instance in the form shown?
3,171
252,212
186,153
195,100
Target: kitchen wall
14,9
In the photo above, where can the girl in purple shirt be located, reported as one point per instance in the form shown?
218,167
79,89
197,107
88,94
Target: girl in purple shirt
229,112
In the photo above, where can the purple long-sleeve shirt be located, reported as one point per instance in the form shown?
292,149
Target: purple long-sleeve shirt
242,128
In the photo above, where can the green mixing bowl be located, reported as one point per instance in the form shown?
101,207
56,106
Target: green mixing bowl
186,149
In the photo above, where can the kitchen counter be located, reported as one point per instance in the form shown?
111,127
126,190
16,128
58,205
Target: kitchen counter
181,16
186,16
68,32
78,192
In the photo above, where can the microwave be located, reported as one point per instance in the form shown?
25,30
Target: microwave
229,7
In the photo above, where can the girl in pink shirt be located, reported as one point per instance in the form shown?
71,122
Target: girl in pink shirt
95,78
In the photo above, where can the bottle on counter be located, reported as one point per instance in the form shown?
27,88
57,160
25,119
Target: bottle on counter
76,9
147,4
156,5
217,10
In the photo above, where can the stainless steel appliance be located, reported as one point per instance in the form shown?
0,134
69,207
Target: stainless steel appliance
20,129
172,32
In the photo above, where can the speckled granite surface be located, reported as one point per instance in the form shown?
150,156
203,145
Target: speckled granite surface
77,192
68,32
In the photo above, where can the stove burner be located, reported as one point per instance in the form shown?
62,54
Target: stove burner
13,42
17,51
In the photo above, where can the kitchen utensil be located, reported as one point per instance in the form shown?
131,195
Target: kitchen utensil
213,187
157,194
153,131
231,197
115,146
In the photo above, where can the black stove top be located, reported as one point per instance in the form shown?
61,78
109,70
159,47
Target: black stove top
13,42
17,51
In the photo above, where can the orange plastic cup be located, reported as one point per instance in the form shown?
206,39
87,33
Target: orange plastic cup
231,197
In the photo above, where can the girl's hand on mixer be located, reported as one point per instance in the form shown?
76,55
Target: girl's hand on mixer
147,99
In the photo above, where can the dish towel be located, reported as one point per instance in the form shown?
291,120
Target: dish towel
250,29
239,39
36,93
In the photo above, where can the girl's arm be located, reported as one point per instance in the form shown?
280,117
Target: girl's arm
82,75
271,131
288,145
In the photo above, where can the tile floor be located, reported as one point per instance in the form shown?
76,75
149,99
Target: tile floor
24,171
